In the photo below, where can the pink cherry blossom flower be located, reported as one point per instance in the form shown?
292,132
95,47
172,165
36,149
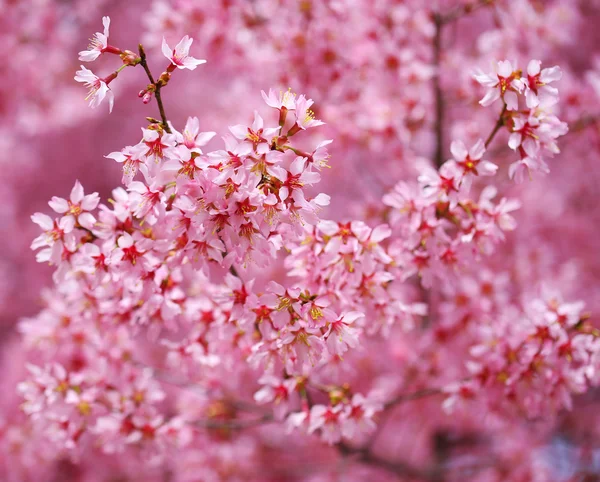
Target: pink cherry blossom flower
276,391
471,162
180,55
359,416
132,158
305,118
342,335
537,84
98,88
328,420
98,43
191,137
285,99
506,83
77,207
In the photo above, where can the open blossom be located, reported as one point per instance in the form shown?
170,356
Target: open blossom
55,235
191,137
471,162
342,335
505,83
305,118
131,158
285,99
443,184
98,88
327,419
180,55
537,84
98,43
77,208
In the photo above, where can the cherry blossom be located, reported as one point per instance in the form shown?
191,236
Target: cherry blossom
180,55
98,88
235,311
98,43
505,83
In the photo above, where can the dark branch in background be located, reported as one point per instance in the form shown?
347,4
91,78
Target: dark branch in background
439,21
464,10
157,86
234,424
584,123
499,124
407,397
402,469
438,155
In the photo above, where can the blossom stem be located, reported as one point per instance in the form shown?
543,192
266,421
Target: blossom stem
158,86
109,49
499,124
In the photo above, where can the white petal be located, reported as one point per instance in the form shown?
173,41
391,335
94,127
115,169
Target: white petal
59,205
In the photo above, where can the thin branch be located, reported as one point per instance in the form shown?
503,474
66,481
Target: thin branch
407,397
157,86
499,124
239,424
584,123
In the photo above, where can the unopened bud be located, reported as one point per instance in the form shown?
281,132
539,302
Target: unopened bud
147,97
130,58
164,78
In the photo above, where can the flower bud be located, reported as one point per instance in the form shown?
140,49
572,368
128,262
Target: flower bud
130,58
164,78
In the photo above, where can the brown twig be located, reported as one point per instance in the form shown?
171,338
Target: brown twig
584,123
499,124
407,397
239,424
157,86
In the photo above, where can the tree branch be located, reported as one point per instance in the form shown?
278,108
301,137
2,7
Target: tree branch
407,397
499,124
399,468
462,10
239,424
437,91
584,123
157,86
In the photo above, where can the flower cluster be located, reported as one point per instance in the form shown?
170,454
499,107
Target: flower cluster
217,318
536,364
441,227
534,128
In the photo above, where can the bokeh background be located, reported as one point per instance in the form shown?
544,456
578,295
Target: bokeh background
368,64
